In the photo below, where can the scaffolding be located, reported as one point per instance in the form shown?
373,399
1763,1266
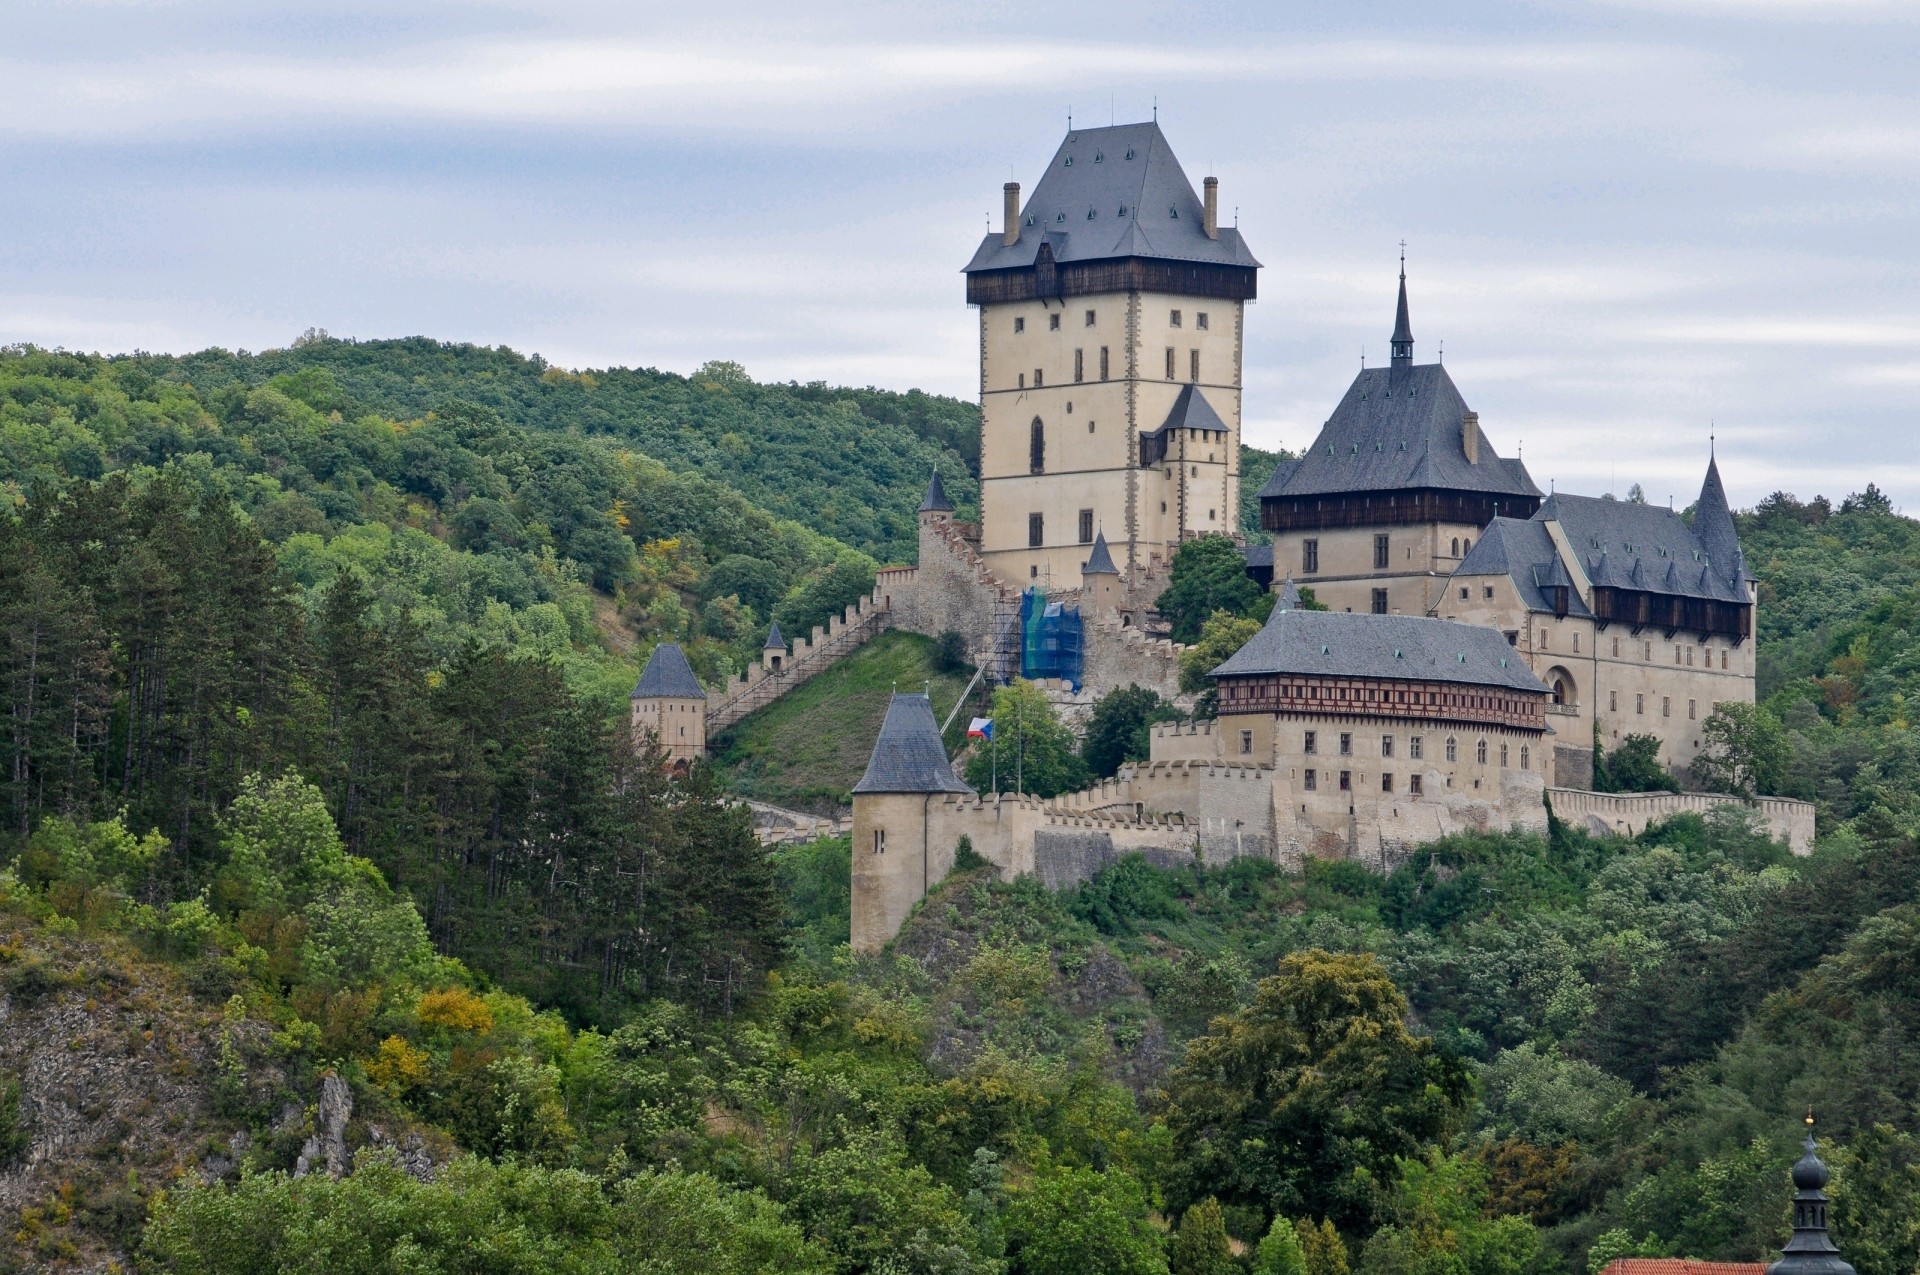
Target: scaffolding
1050,646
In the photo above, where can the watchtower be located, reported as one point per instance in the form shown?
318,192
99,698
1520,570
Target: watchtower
669,702
1112,311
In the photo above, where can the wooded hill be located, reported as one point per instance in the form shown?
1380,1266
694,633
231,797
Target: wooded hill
312,764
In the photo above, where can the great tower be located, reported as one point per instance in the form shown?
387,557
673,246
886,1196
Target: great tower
1112,312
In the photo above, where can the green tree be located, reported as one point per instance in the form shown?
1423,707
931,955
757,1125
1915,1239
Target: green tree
1208,575
1321,1247
1294,1103
1439,1226
1032,750
1118,730
1743,750
1632,767
1219,638
1876,1201
1069,1220
1200,1244
1280,1251
1616,1243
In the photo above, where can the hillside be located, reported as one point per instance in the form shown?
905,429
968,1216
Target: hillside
807,749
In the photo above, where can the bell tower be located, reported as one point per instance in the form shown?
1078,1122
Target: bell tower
1112,309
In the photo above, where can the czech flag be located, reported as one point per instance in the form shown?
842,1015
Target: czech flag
980,728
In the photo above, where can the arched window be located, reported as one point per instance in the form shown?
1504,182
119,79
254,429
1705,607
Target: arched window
1456,546
1453,749
1560,681
1037,448
1467,544
1480,753
1526,759
1503,756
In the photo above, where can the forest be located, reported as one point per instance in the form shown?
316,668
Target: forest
313,661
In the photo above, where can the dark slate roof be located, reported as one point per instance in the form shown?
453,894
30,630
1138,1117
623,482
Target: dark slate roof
1113,192
668,676
1345,644
908,756
1713,527
1258,555
1191,411
1402,328
1289,599
1100,561
936,501
1398,429
1522,550
776,641
1625,545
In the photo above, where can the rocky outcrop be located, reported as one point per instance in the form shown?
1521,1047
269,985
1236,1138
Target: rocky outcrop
328,1145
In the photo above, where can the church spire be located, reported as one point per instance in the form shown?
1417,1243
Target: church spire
1402,329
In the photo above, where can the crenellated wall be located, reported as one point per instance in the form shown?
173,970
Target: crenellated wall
826,646
1627,813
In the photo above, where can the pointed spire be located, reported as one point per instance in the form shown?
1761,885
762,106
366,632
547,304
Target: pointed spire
1289,599
936,501
1811,1250
1100,561
1402,328
909,756
775,640
1713,527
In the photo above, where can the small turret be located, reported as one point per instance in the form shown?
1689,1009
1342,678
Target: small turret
1100,592
896,856
1713,526
1402,328
1289,599
669,703
773,652
1810,1250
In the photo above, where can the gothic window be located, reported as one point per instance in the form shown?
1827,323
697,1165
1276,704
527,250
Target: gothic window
1480,753
1503,756
1453,749
1526,755
1037,447
1456,546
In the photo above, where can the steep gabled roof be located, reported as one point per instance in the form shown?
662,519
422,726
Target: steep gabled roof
1399,429
908,756
1625,545
1522,550
1191,411
1111,193
1345,644
668,676
776,641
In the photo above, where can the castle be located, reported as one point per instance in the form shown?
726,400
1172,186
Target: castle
1481,635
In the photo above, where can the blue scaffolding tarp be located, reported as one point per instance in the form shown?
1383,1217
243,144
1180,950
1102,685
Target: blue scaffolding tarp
1049,639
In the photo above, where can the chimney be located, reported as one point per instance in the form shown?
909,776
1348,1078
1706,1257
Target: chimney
1470,436
1010,214
1212,186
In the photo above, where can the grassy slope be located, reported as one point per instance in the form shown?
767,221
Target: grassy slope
809,747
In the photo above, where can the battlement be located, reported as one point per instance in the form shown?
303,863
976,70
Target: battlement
826,646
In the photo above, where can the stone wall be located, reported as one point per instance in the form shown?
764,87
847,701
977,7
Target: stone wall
1627,813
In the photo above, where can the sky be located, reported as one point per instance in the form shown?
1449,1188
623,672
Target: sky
1634,223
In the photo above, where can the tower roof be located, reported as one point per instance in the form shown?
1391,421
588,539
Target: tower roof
1399,429
668,676
1713,527
1626,545
936,501
909,756
1100,561
776,641
1289,599
1402,328
1810,1250
1113,192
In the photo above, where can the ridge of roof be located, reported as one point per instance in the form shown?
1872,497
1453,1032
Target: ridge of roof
1191,410
908,755
1627,545
668,676
1109,193
775,640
